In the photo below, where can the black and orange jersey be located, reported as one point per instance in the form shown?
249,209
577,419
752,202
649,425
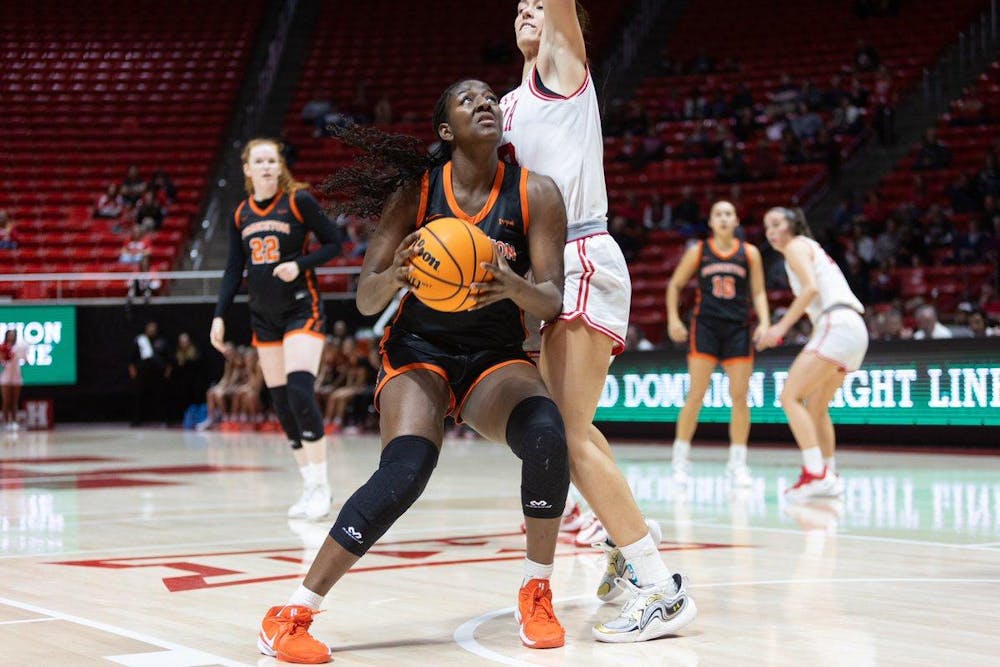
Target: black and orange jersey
504,218
267,233
723,283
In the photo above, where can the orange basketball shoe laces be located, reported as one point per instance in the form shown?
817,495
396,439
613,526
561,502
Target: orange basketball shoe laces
284,634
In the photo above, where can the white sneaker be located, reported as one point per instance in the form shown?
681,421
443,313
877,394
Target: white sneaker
298,509
739,475
682,472
616,569
318,504
812,486
651,612
838,487
591,532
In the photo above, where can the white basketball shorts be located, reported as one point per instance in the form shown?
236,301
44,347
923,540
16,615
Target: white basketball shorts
840,337
597,288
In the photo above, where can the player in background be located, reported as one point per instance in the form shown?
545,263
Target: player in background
12,355
552,125
730,275
468,364
268,238
837,346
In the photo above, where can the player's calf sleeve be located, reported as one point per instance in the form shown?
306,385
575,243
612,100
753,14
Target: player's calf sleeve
302,399
536,434
279,400
406,464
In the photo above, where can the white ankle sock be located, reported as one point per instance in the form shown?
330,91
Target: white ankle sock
306,598
533,570
682,450
812,459
646,563
306,471
830,463
737,454
318,474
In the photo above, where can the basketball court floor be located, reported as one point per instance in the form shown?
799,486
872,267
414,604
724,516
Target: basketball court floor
163,548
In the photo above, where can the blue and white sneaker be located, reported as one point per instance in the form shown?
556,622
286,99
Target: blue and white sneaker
651,612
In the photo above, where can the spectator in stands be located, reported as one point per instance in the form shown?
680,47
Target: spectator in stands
219,396
358,373
315,110
864,244
865,56
764,166
8,231
805,124
890,326
938,230
810,95
628,234
970,245
248,400
136,249
791,148
730,167
382,113
657,213
932,153
884,286
886,243
185,376
847,118
149,213
834,93
110,205
979,326
786,95
858,277
330,375
133,186
928,325
149,368
883,104
635,339
161,184
688,210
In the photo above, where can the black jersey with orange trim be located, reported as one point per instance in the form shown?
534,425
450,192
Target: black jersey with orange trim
504,218
724,283
266,234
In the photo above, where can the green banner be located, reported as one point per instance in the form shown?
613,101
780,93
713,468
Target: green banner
941,383
49,333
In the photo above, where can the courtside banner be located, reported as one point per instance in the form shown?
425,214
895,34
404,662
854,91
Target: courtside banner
943,383
49,332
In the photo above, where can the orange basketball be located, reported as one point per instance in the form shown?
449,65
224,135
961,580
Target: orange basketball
449,253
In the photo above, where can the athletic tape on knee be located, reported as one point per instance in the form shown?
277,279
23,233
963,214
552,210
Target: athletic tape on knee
403,471
535,432
279,400
302,398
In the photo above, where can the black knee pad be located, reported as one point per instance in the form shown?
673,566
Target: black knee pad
536,434
279,401
406,465
302,399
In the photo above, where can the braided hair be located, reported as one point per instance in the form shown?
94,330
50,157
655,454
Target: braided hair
387,162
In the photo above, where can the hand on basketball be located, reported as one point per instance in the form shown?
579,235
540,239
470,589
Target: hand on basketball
217,336
504,283
400,268
287,271
677,332
773,336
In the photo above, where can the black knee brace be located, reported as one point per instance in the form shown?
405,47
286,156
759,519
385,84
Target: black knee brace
279,401
536,434
406,465
302,398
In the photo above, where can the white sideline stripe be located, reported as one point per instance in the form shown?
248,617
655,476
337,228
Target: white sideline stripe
465,634
175,650
29,620
181,658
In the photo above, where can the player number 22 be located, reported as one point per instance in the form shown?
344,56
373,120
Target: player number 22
264,250
723,287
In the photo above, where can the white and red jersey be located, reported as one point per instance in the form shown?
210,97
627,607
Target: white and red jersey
830,282
560,137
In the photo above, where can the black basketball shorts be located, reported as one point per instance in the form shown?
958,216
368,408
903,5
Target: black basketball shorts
721,340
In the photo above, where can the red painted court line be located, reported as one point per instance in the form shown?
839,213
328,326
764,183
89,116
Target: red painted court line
64,459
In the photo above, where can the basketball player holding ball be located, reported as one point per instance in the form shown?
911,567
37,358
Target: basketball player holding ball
469,364
268,238
552,125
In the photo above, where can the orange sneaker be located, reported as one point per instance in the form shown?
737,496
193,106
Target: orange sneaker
539,626
284,634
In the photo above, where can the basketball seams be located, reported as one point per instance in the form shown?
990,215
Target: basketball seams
459,299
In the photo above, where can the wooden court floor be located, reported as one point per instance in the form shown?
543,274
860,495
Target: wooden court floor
163,548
